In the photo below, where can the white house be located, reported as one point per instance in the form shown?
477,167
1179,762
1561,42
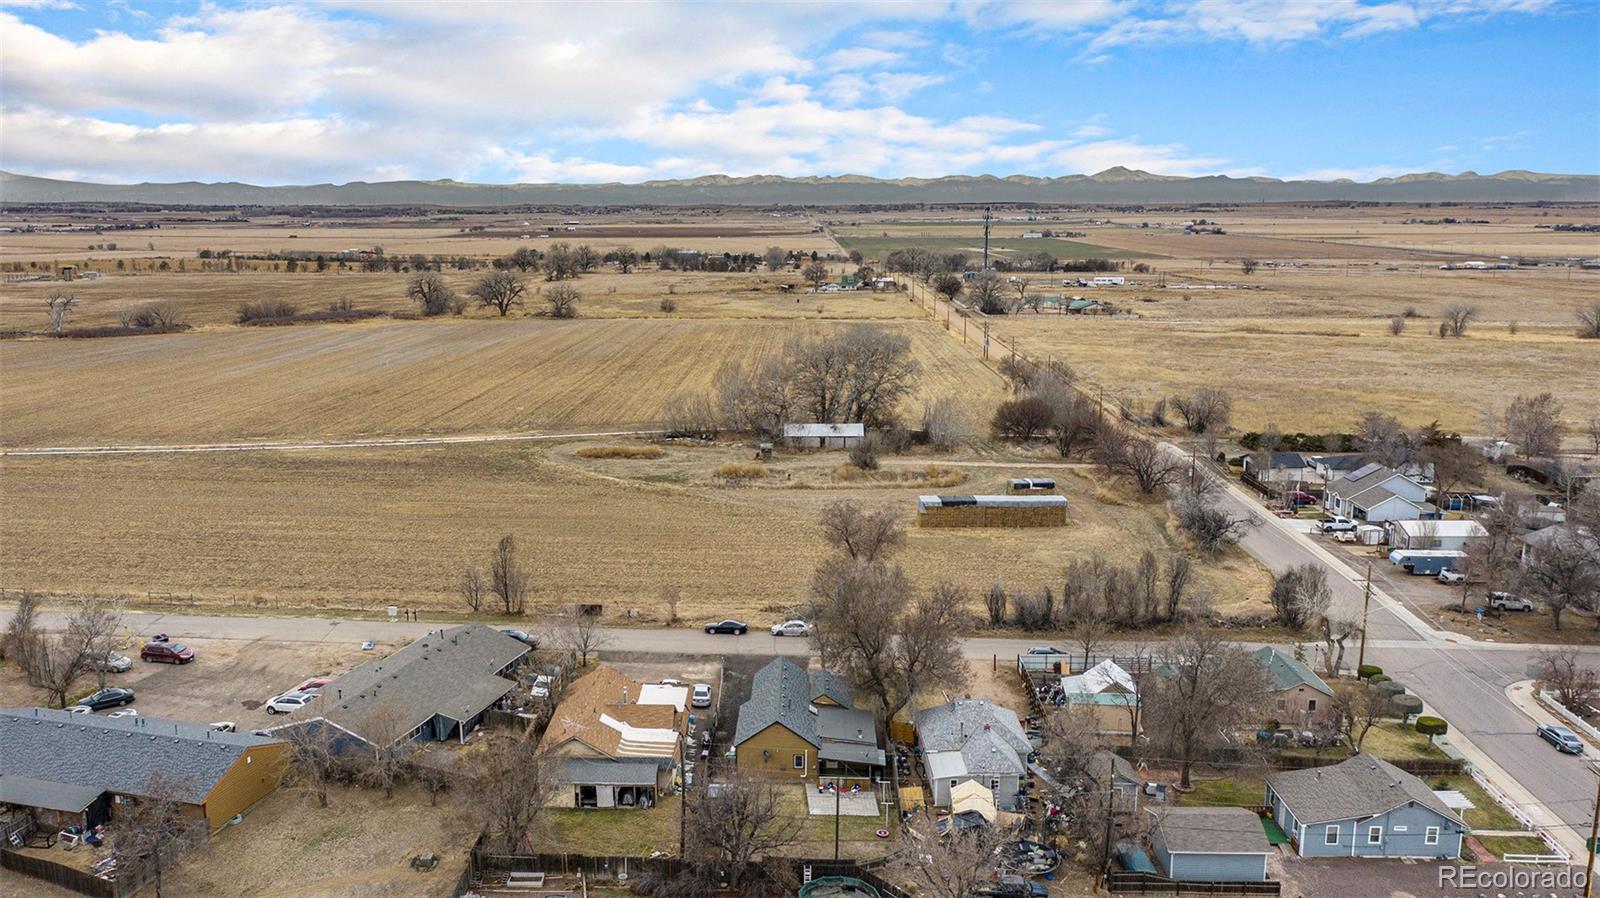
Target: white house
1376,494
823,436
1434,534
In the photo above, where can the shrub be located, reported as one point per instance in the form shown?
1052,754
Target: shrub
161,314
1432,726
741,471
1368,671
620,452
669,305
267,309
1375,679
1407,705
864,454
1390,688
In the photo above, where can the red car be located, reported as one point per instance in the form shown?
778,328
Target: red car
170,652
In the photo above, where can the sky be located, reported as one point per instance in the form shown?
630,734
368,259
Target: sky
303,93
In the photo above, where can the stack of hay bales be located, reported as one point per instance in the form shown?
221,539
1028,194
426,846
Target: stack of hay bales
992,511
1031,485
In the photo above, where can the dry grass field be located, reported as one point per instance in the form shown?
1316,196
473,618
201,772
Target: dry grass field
210,299
400,377
366,528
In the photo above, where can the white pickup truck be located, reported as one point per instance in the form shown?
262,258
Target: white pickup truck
1337,524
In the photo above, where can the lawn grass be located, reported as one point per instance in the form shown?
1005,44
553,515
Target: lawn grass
818,829
1394,741
617,831
1504,845
1485,813
1228,791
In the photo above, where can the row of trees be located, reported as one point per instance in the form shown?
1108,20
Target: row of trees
500,290
57,662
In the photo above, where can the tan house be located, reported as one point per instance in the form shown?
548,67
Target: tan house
1296,696
1109,693
67,769
799,724
620,741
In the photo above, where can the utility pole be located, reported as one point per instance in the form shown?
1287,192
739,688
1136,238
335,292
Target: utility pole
988,220
836,791
1105,850
1594,832
1366,602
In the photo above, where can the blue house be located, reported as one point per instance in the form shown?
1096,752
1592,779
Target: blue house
1211,844
1363,807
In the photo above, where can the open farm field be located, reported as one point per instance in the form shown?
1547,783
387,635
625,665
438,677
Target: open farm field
1312,350
1158,243
402,377
874,245
466,234
213,298
366,528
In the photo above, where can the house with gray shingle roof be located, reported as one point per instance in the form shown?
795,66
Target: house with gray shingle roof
973,739
1363,807
1375,494
81,769
1206,844
1296,696
801,724
436,688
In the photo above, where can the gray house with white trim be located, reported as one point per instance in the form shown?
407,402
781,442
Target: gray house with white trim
1375,494
1211,844
1363,807
973,739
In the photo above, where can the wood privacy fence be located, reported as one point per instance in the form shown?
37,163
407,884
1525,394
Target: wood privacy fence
1414,766
486,865
61,875
1123,882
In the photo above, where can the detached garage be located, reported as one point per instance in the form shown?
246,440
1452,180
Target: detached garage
1211,845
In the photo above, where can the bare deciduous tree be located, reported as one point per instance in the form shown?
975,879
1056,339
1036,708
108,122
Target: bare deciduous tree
1142,460
1074,425
1564,572
1213,689
1357,708
994,602
1454,464
817,273
1336,631
946,425
580,633
59,305
1397,325
430,292
1592,431
956,864
1383,439
775,258
472,587
93,627
504,790
1301,595
742,819
1206,410
864,536
1212,529
383,766
561,301
1564,675
948,285
1021,420
1457,318
987,292
1490,563
1589,322
508,580
524,259
1248,265
313,763
1534,424
499,290
158,830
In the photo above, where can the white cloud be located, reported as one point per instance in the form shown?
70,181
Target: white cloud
1269,22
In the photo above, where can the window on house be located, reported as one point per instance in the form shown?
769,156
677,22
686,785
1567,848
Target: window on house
994,784
1431,837
1330,836
800,762
1311,705
1282,704
1374,835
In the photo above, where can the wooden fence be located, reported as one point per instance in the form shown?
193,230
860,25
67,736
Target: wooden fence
61,875
484,865
1124,882
1414,766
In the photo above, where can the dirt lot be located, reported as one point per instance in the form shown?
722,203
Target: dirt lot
361,529
228,680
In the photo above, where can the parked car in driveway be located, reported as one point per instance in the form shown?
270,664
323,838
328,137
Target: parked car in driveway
736,627
1045,650
1337,524
1562,738
170,652
113,662
313,686
288,703
524,637
1505,601
125,712
791,628
1452,577
109,697
702,695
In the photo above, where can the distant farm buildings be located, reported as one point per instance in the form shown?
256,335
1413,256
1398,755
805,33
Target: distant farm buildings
823,436
992,511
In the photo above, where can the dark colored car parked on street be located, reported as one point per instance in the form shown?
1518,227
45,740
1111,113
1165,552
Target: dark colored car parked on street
736,627
170,652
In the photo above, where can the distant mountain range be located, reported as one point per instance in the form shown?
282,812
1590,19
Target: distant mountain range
1114,186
